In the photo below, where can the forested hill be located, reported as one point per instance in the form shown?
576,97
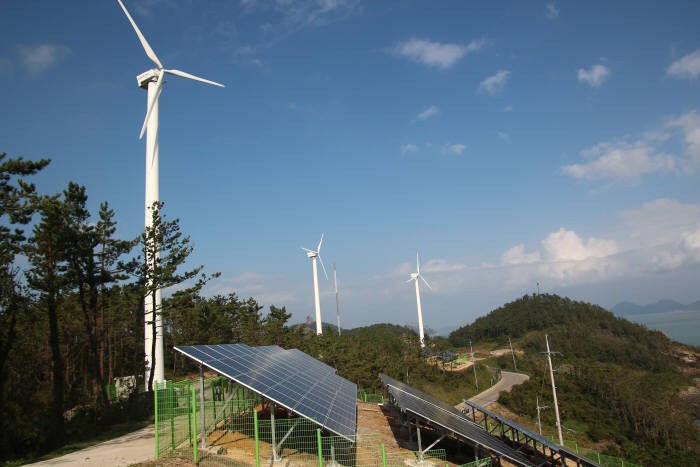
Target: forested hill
620,385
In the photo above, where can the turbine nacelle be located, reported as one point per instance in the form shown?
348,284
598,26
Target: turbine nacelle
156,75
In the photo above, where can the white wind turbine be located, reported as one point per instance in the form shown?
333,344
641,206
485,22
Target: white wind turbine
414,277
153,80
313,254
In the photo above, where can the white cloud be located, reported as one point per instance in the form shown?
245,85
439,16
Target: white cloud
429,112
551,11
690,124
453,149
435,54
495,84
629,159
594,76
408,148
566,245
508,108
517,255
39,58
504,136
687,67
621,160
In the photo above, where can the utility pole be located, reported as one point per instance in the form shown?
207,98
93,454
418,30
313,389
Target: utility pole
512,353
476,382
554,390
538,288
540,407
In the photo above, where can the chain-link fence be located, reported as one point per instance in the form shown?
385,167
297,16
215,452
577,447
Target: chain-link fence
228,417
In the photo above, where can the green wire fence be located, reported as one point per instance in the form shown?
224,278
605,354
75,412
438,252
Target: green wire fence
227,417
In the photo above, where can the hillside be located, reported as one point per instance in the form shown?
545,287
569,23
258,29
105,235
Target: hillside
620,385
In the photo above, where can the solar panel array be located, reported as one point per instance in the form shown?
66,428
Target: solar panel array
290,378
540,439
448,418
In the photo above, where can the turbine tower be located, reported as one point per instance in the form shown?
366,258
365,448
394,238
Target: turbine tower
313,254
414,277
337,302
152,80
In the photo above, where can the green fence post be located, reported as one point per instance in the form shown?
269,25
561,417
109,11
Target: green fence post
320,448
257,444
576,447
383,456
194,424
189,413
172,418
622,462
155,404
598,456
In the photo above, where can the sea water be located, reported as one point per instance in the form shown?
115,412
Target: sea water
682,325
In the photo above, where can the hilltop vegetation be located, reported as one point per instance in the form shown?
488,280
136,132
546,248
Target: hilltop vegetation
619,384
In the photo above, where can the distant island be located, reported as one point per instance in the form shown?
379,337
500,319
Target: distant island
662,306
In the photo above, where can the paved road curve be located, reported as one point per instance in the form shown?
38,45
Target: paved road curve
488,397
125,450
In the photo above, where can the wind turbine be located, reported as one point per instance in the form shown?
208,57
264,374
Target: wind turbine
337,302
153,80
313,254
414,277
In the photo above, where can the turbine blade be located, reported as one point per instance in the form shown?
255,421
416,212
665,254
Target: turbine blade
324,268
409,280
335,279
306,249
426,282
159,87
193,77
417,264
149,51
319,243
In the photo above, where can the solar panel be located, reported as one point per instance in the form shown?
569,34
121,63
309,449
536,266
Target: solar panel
289,378
448,418
540,439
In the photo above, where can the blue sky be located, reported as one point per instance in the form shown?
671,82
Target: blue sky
510,143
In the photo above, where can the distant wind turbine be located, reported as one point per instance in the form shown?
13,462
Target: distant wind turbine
414,277
337,302
152,80
313,254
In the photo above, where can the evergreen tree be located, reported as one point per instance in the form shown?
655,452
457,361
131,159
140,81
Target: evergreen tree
165,250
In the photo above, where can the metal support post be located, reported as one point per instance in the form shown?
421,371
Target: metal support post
289,432
432,445
383,456
420,451
272,431
320,447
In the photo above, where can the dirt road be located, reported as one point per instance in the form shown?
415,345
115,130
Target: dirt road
125,450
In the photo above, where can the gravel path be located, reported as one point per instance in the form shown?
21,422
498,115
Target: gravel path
125,450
